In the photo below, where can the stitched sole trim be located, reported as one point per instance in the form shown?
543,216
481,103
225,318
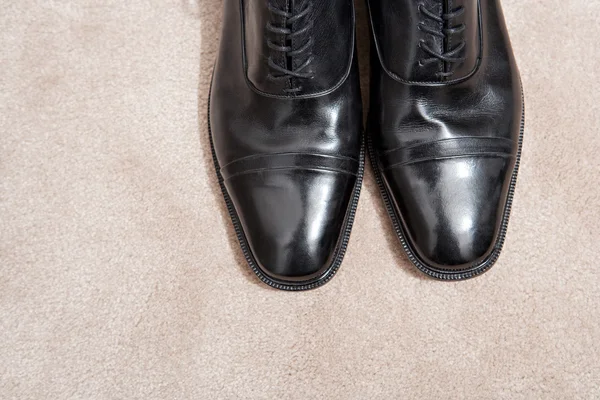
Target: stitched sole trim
342,241
474,270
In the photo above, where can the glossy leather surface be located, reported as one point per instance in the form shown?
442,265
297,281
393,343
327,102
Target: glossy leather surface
446,150
289,160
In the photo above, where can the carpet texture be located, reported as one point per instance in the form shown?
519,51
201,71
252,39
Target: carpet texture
121,277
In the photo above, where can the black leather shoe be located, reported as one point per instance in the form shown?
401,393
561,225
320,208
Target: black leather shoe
445,124
285,120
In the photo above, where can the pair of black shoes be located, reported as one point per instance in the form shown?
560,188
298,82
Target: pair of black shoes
444,132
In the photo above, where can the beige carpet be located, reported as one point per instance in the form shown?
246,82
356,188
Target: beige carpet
121,278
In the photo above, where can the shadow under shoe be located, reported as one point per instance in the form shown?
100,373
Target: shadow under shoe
293,219
452,209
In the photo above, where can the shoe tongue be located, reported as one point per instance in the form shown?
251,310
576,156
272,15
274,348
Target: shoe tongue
289,5
404,30
284,5
322,42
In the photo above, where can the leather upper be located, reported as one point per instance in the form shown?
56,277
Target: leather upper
447,150
289,160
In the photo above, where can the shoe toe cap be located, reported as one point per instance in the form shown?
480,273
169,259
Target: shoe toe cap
292,219
452,209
